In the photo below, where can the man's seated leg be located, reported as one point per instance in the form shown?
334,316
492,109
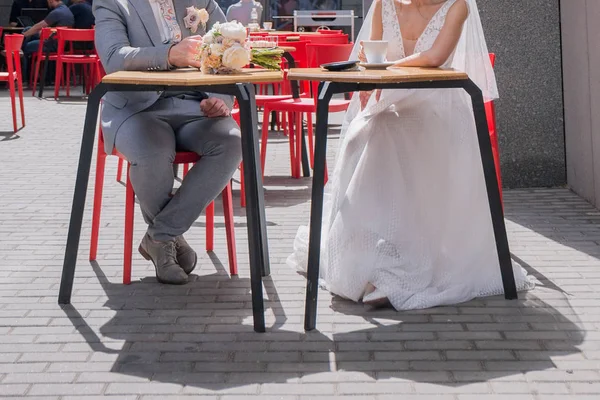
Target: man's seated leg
148,143
218,142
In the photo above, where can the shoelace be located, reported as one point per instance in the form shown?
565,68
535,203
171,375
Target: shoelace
171,249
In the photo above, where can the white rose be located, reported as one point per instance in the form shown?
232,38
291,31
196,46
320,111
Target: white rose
209,38
203,15
236,57
234,30
216,49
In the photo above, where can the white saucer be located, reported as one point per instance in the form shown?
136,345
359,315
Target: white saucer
376,65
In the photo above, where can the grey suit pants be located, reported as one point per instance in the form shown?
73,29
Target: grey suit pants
149,141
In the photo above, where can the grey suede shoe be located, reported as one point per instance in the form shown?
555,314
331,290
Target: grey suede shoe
186,256
164,257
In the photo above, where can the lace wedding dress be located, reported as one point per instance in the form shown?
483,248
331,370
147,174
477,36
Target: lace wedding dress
406,208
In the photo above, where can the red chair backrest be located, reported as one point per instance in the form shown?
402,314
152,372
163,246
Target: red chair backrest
325,39
12,45
73,35
44,35
319,54
331,31
300,55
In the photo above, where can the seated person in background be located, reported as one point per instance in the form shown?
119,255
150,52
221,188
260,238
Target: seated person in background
82,14
241,11
59,16
19,5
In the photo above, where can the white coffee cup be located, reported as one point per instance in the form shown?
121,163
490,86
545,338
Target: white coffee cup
267,26
375,51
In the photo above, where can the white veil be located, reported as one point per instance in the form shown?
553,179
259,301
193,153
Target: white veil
471,56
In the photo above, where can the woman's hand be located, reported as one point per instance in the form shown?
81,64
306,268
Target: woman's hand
361,53
364,98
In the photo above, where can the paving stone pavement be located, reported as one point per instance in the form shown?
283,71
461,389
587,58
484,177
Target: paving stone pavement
149,341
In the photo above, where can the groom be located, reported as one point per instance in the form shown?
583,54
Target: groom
148,127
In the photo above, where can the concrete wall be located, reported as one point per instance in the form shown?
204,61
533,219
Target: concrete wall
581,35
4,11
525,35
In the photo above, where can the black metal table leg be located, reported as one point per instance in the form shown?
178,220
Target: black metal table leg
491,183
316,209
81,184
254,201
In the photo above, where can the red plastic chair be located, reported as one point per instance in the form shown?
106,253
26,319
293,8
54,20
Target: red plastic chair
39,56
301,61
75,36
325,39
319,54
490,112
12,45
184,157
328,31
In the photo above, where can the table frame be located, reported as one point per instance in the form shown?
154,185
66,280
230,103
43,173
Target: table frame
255,208
326,91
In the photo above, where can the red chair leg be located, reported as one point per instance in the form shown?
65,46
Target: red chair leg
57,78
36,74
20,86
496,154
13,102
291,137
298,144
264,139
128,241
98,189
229,228
242,187
284,124
70,67
311,147
210,226
120,170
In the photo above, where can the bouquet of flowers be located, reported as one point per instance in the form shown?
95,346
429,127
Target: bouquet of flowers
225,50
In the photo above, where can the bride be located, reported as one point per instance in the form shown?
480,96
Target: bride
406,219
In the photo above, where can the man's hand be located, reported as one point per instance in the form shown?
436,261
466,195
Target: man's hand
214,107
185,53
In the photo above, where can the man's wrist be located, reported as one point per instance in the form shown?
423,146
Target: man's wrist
169,65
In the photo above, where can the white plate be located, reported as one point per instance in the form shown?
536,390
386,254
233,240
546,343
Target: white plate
376,66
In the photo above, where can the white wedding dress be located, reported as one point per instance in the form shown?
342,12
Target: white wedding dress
406,208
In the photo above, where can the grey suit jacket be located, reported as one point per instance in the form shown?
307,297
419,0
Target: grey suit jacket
128,38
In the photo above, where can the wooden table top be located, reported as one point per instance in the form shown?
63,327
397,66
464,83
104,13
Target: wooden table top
191,77
395,75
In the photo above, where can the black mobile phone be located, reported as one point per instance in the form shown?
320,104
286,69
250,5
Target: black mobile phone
340,66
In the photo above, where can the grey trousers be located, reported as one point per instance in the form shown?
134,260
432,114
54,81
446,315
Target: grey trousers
149,141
